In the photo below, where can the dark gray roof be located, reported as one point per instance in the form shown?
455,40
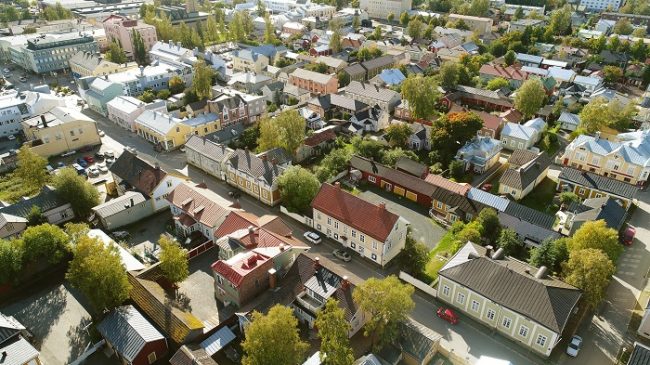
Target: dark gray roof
355,70
348,103
379,62
227,133
522,177
596,182
370,91
279,155
412,167
640,355
417,340
128,331
191,356
9,327
520,157
530,215
207,147
137,172
547,301
255,166
530,233
604,208
323,101
47,200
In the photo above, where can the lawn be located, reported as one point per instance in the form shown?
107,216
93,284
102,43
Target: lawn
541,198
444,248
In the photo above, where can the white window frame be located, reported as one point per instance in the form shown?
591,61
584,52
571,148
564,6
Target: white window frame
490,314
372,179
475,306
523,331
460,298
541,340
506,322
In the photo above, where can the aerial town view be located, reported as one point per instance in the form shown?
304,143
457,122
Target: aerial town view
335,182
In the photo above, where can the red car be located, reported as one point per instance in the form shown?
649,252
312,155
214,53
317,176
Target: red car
89,159
448,315
486,187
628,235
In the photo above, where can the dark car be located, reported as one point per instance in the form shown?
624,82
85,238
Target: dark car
82,162
447,314
60,164
89,159
234,194
627,237
99,156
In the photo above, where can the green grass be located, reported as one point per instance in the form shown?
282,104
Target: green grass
541,198
444,248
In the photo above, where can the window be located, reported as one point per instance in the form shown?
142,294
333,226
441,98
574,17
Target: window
374,257
460,298
475,306
523,331
581,191
490,314
445,290
353,245
541,340
595,160
439,205
219,279
630,170
362,238
506,322
151,358
169,184
336,225
329,221
354,233
72,133
372,179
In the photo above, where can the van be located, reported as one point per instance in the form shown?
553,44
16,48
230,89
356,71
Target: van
80,170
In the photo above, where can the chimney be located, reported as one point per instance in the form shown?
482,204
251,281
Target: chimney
541,272
488,251
382,206
274,161
498,254
345,284
263,157
157,166
282,248
251,229
4,356
272,278
316,263
337,185
142,71
44,120
132,202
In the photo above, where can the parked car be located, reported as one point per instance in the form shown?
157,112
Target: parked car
49,169
109,154
80,170
312,237
627,237
11,137
81,162
447,314
574,346
60,164
342,254
101,133
93,171
69,153
486,187
102,168
89,159
99,156
121,235
132,150
234,194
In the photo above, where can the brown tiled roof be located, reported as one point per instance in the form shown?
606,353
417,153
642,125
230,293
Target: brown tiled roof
137,172
200,204
490,121
512,115
319,137
508,73
439,181
236,271
373,220
412,183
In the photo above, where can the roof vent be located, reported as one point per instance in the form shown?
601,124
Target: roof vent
498,254
541,272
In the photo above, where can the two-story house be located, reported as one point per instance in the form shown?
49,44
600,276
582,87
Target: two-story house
373,95
255,59
314,82
626,158
516,300
257,175
514,75
526,170
132,173
230,109
368,229
123,110
13,218
207,155
99,93
522,136
588,185
479,154
321,283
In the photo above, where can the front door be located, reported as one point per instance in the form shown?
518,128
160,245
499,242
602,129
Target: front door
388,187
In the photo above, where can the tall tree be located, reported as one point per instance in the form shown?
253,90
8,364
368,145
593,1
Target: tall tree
81,194
510,58
414,257
612,74
551,253
11,260
97,271
490,223
415,29
596,234
390,17
176,84
202,80
298,187
387,301
273,339
31,168
390,156
173,260
509,241
560,22
45,242
450,132
398,134
116,53
497,84
139,49
590,270
479,7
530,97
335,42
448,75
333,331
35,216
421,94
404,19
600,113
287,131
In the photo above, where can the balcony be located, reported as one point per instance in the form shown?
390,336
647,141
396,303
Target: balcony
308,302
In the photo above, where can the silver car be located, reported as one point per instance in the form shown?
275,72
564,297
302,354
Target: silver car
574,347
342,254
312,237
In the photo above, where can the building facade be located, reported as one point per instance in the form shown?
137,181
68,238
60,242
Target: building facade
48,53
314,82
256,175
120,29
381,9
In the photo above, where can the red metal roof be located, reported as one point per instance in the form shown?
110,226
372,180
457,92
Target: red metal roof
235,269
373,220
437,180
508,73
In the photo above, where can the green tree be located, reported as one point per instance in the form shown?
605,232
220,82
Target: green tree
387,302
612,74
479,7
287,131
398,134
414,257
448,75
11,260
551,253
147,96
456,170
596,234
639,33
298,187
509,241
623,27
35,216
590,270
497,84
335,42
139,50
74,188
519,13
173,260
421,94
31,168
599,113
97,271
176,85
568,197
333,163
333,329
490,222
344,78
404,19
510,58
452,131
47,242
269,30
163,94
115,53
530,97
390,156
273,339
390,17
356,23
202,80
560,22
415,29
367,147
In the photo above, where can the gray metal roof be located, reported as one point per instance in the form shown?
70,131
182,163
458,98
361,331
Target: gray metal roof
19,351
524,175
118,204
370,91
128,331
596,182
218,341
530,215
9,327
547,301
491,200
47,200
640,355
526,230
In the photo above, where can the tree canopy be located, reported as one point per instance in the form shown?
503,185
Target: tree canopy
490,223
530,97
497,84
414,257
74,188
47,241
448,75
599,113
398,134
298,187
596,234
551,253
287,131
202,80
273,339
333,330
509,241
115,53
421,94
590,270
387,301
11,259
450,132
173,260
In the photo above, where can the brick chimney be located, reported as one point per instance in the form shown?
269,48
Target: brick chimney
316,263
345,283
264,157
272,278
382,206
337,185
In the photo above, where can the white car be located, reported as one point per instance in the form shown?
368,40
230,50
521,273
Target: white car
93,171
101,133
132,150
109,154
102,167
574,347
312,237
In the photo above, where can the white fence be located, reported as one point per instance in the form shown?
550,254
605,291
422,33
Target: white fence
300,218
418,284
88,352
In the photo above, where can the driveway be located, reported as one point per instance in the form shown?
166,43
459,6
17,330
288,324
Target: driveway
422,227
57,318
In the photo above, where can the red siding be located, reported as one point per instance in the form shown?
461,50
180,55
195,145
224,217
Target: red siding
159,347
423,200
